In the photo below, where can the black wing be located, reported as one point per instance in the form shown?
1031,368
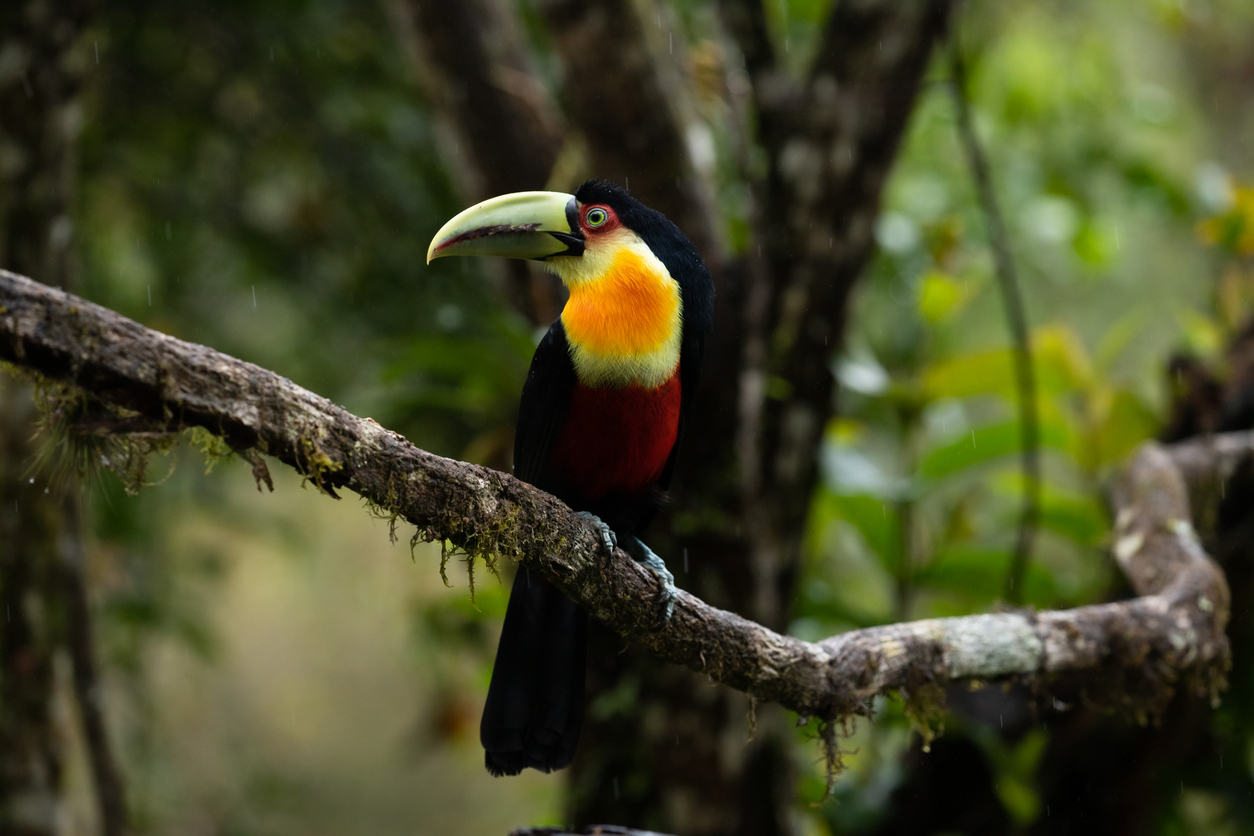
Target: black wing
535,700
689,376
542,411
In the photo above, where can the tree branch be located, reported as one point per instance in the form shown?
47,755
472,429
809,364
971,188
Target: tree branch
1172,635
110,793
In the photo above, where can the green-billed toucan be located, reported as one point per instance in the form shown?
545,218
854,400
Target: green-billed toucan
601,412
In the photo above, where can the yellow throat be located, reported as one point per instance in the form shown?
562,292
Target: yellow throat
624,319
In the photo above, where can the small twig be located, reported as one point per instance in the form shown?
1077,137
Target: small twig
110,795
1016,316
904,512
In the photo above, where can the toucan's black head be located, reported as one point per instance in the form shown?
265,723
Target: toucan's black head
575,232
666,241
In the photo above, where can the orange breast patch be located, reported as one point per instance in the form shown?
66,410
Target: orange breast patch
630,310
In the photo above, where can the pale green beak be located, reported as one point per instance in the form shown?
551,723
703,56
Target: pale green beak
520,225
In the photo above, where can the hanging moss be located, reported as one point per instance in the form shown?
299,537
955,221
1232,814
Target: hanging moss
925,709
214,448
80,435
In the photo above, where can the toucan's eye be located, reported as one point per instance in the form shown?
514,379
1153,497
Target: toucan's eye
596,216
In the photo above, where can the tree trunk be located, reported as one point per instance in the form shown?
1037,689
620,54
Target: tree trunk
501,130
42,593
30,760
661,747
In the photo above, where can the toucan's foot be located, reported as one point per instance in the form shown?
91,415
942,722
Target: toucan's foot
608,538
646,557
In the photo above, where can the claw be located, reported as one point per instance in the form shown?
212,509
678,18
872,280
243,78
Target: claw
608,538
646,557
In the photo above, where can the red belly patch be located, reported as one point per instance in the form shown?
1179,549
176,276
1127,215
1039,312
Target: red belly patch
617,439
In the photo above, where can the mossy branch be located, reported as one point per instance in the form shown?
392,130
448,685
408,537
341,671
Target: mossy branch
1136,653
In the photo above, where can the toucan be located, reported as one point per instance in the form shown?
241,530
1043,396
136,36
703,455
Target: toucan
601,414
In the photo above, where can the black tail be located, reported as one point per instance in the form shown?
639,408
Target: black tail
535,701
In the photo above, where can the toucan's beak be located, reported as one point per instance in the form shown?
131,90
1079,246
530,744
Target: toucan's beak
520,225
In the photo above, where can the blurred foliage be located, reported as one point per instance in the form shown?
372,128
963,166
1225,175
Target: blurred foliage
263,177
1232,229
269,187
1117,208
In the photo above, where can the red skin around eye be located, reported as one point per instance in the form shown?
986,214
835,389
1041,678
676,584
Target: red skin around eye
611,221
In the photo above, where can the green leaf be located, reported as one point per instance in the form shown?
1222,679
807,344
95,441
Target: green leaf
1096,243
978,576
1016,776
940,296
1203,334
1059,360
1079,517
1126,423
988,443
875,520
1118,337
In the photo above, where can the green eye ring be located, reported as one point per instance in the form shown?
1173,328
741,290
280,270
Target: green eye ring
596,217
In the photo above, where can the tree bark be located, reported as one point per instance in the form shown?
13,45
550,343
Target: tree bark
631,107
30,746
1136,653
37,111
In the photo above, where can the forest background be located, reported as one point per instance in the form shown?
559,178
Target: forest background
264,178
